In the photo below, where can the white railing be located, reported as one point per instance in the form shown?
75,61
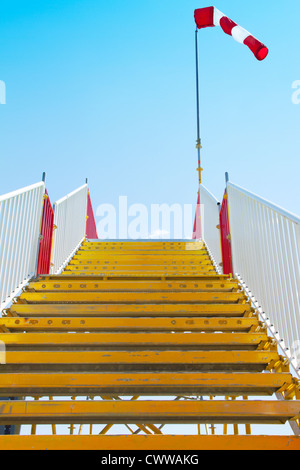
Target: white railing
210,221
69,224
20,220
265,242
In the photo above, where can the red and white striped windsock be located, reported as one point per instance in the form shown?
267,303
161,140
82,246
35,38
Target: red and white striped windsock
211,16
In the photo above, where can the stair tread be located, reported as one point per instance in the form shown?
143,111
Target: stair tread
44,340
148,383
133,297
161,442
130,324
145,360
139,411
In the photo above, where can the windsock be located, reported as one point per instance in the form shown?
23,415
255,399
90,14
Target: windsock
211,16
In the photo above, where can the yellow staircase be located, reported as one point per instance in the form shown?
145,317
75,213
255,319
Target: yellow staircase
143,334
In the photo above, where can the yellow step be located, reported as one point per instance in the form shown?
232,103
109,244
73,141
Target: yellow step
140,261
129,324
133,297
138,383
142,244
133,340
134,286
145,270
155,411
71,276
130,310
164,443
115,252
138,275
145,360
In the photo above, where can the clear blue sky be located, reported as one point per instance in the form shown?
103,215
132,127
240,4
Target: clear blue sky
106,90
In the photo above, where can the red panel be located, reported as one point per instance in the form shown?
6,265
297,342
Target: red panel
225,237
204,17
197,222
91,229
45,243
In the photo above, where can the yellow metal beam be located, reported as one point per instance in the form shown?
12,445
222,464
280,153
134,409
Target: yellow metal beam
131,310
194,383
106,252
138,360
135,285
143,411
144,270
141,261
214,276
151,442
133,297
132,255
83,323
144,244
131,340
130,246
138,274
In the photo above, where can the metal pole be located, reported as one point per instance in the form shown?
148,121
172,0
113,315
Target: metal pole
198,142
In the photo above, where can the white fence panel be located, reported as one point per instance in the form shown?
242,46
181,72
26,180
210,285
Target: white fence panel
210,221
265,242
20,221
70,222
